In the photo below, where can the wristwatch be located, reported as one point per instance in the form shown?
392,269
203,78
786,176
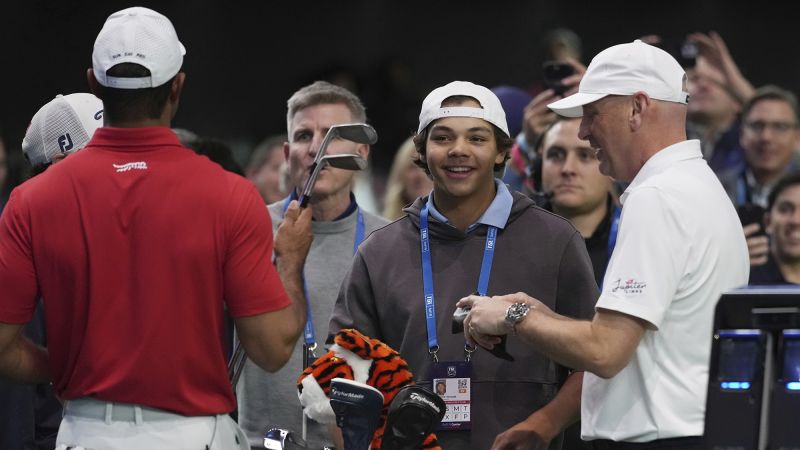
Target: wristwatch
515,313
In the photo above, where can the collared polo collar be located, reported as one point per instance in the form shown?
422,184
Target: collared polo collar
496,214
664,158
134,139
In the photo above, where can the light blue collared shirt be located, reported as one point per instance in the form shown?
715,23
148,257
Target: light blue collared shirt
496,214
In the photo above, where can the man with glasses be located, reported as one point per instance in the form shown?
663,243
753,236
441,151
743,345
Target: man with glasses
679,246
770,138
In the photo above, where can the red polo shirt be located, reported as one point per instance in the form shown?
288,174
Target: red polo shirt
133,243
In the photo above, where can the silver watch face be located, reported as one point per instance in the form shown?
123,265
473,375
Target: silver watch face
516,312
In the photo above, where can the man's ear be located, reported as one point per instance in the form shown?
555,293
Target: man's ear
363,150
501,156
286,151
177,87
640,103
94,86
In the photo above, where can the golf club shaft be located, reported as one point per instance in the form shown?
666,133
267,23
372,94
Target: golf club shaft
236,365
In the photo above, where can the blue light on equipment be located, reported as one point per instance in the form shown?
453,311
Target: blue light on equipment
740,385
793,386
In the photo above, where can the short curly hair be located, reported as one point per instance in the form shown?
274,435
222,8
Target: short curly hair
503,141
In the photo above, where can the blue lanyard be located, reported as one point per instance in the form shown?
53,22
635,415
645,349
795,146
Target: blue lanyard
427,275
308,331
612,236
612,232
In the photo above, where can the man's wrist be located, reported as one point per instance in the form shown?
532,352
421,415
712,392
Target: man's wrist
515,314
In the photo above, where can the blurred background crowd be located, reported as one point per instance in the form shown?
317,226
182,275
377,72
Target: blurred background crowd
245,60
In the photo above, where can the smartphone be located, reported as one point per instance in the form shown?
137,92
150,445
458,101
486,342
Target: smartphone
750,213
688,54
552,74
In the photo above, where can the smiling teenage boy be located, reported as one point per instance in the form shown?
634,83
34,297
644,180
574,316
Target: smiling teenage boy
471,234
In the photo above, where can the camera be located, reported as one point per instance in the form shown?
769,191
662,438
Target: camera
552,74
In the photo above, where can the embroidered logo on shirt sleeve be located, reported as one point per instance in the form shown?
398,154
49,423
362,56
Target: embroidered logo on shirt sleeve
629,286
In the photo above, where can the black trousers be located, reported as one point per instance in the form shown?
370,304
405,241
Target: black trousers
683,443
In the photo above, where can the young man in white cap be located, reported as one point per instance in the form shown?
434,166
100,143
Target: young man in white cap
680,245
471,234
151,240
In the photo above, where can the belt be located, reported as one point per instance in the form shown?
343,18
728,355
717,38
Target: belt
692,442
118,412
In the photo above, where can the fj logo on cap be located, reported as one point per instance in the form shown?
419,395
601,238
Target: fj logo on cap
65,143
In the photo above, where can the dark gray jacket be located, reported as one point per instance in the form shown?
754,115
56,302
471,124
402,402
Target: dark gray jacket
538,253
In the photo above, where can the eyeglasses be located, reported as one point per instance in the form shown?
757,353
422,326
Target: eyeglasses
758,126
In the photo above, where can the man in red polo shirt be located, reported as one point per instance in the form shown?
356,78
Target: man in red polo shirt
136,244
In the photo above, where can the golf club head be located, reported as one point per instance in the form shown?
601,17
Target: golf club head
360,133
358,409
356,132
413,414
347,161
281,439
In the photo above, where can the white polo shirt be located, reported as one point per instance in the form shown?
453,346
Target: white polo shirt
680,245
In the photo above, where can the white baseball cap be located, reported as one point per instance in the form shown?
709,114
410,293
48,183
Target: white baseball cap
63,125
625,69
141,36
491,110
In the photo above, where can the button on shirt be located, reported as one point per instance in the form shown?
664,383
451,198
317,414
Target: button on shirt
680,245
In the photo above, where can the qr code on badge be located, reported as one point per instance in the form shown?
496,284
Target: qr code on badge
462,383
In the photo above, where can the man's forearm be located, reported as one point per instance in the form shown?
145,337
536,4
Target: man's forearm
541,427
562,411
291,275
603,346
569,342
25,362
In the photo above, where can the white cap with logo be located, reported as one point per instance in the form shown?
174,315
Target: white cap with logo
625,69
63,125
141,36
491,109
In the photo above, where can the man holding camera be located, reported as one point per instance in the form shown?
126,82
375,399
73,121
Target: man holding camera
781,223
770,134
